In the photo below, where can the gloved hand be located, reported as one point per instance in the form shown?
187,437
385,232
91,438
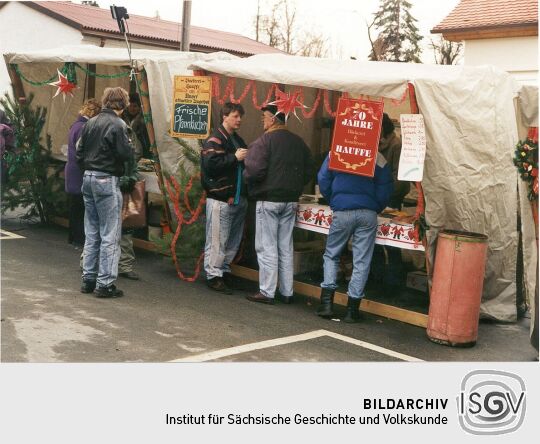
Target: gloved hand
127,184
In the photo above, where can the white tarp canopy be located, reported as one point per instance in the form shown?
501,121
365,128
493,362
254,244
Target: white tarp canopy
160,66
102,56
469,177
528,103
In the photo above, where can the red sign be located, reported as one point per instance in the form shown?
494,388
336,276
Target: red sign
356,136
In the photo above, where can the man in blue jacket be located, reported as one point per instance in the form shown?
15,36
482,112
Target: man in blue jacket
355,201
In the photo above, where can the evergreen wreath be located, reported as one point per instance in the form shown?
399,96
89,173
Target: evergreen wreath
526,161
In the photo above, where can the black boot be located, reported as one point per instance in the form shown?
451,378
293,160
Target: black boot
352,315
325,310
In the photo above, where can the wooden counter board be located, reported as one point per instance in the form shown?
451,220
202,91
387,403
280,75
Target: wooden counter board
376,308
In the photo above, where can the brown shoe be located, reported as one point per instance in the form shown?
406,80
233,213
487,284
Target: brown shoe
217,284
229,280
259,297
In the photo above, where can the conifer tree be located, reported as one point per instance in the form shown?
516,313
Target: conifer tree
29,184
398,39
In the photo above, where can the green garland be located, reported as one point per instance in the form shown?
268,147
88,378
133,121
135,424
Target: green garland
33,82
69,71
103,76
526,161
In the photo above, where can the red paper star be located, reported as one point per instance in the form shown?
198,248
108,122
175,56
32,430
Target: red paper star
287,103
64,85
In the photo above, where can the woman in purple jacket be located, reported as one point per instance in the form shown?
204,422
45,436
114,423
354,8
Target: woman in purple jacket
74,176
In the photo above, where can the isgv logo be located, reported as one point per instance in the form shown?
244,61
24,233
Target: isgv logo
491,402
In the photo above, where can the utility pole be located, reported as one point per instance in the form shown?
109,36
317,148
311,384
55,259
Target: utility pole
186,24
257,21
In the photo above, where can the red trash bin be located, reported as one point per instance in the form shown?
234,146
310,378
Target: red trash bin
458,277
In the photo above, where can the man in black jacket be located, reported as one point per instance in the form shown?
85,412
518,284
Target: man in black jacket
278,166
222,164
103,148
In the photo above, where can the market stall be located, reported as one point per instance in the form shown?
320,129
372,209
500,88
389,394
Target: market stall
469,180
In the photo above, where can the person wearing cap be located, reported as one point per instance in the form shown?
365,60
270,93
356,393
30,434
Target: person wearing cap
278,166
222,164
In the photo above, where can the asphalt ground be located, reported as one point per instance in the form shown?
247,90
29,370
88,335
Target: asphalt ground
44,318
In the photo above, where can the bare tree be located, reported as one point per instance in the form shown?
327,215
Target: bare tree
279,28
271,26
313,46
257,20
378,47
445,51
289,25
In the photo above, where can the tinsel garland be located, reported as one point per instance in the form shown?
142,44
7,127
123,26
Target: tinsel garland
228,94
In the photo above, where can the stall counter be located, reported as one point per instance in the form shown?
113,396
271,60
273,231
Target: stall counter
316,217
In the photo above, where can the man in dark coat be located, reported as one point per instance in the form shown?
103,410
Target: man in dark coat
278,166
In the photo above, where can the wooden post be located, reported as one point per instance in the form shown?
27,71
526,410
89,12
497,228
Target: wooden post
146,109
17,83
420,201
91,89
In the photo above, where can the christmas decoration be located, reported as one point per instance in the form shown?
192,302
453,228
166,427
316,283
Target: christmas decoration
30,184
287,103
186,198
526,161
174,192
228,95
64,85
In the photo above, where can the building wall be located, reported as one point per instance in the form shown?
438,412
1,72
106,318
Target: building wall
21,26
516,55
24,29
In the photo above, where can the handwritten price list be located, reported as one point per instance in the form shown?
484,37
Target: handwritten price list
413,147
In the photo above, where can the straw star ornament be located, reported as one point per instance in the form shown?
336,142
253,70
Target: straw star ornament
64,85
287,103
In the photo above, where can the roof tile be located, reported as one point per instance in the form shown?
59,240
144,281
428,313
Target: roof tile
486,14
91,18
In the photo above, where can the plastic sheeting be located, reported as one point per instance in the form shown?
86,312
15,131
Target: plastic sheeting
161,67
527,108
469,178
528,103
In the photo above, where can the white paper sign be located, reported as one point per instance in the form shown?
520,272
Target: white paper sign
413,147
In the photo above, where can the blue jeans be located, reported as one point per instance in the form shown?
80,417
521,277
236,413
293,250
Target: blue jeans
224,230
274,246
362,226
102,226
